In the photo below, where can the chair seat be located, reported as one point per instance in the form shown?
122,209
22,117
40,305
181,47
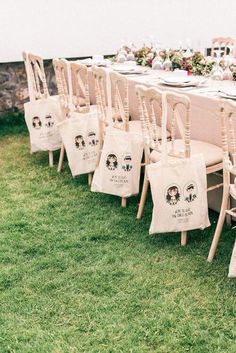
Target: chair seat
212,154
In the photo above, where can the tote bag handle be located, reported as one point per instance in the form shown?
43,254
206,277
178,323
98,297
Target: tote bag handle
109,100
29,77
164,154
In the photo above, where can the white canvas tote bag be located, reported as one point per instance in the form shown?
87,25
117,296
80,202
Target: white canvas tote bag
232,266
179,192
81,137
41,117
179,195
118,172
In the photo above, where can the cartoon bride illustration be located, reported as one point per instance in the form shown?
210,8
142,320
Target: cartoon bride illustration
172,195
36,122
79,142
111,162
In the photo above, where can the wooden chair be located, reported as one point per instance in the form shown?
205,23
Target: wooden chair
37,84
73,89
80,87
227,118
223,45
179,125
112,98
102,86
80,92
150,112
61,73
120,94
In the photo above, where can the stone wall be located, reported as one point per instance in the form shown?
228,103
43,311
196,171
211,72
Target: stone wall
13,85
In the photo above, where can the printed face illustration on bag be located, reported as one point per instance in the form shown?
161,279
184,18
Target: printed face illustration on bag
172,195
36,122
111,162
92,139
49,121
127,166
79,142
190,192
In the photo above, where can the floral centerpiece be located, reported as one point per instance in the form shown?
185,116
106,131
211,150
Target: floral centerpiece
144,56
233,69
195,63
198,64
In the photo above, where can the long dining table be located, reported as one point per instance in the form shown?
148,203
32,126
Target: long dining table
205,107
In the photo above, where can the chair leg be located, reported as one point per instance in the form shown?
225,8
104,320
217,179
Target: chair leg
61,158
123,202
183,238
217,234
50,156
90,177
228,217
143,197
219,227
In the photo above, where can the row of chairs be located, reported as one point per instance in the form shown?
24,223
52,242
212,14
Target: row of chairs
112,104
223,46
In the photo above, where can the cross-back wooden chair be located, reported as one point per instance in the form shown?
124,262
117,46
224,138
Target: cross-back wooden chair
228,138
150,112
80,87
61,73
120,117
222,45
112,98
73,89
180,145
120,94
119,86
36,80
103,96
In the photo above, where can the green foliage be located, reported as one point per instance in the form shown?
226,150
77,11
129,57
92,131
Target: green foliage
12,117
12,121
81,275
198,65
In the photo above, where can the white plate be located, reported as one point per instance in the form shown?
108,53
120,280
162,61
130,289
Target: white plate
229,92
127,69
181,81
227,96
90,62
176,79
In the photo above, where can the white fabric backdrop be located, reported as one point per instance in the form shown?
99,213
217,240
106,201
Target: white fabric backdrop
74,28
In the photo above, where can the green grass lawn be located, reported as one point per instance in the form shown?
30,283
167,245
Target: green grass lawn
78,274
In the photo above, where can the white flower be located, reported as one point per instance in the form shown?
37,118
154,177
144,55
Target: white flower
150,55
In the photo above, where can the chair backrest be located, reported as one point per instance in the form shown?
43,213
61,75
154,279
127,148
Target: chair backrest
61,68
227,117
177,109
80,86
150,113
119,87
100,85
221,45
36,78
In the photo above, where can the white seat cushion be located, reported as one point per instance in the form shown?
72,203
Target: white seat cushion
212,153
